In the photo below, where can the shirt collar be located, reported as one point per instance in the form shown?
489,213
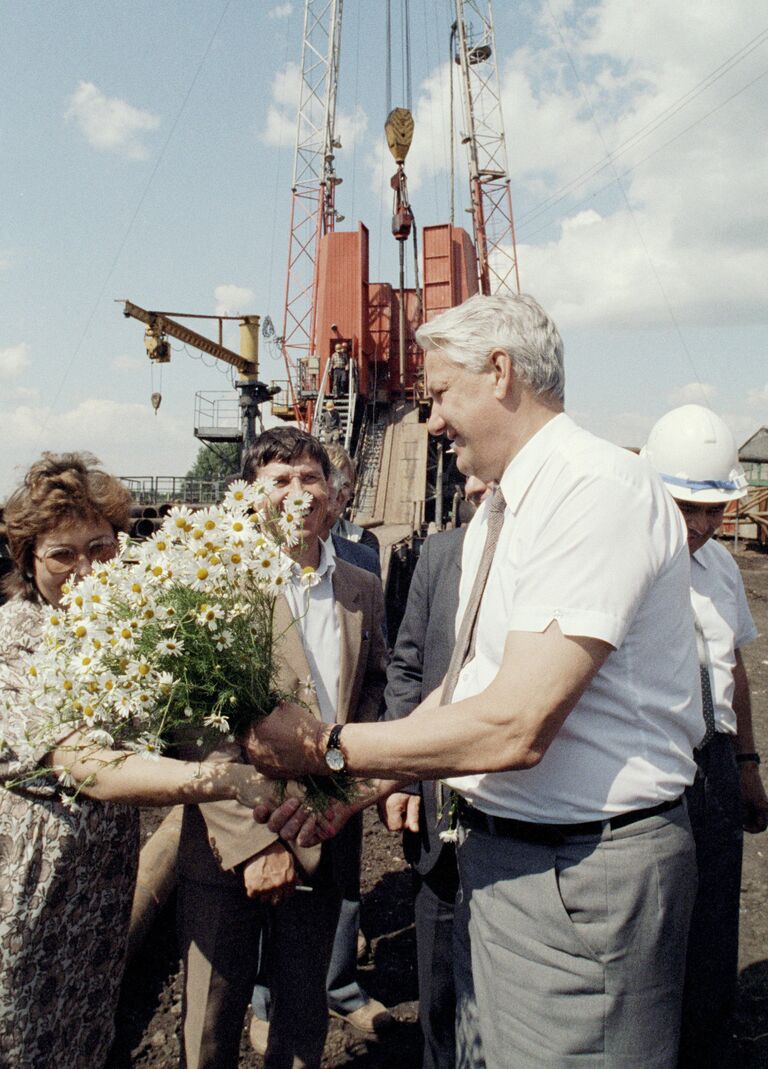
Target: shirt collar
700,557
526,465
327,563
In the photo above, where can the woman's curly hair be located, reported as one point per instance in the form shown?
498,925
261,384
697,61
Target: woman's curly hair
59,489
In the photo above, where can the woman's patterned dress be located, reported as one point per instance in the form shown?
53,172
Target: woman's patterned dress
67,871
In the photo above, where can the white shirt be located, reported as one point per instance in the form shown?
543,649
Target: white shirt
719,602
592,540
314,610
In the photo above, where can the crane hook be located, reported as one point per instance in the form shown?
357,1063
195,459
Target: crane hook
156,398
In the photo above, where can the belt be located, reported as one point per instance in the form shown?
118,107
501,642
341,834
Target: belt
553,834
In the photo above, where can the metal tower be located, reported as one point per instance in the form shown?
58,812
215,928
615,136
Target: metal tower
313,211
483,135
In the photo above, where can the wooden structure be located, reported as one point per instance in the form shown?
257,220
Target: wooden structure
753,456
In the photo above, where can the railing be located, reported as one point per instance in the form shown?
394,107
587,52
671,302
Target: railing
174,489
217,415
282,401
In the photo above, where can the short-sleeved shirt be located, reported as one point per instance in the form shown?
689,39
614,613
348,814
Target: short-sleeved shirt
720,603
593,541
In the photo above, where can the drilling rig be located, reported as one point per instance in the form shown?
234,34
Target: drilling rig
407,481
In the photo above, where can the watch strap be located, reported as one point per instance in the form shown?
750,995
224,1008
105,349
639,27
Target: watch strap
333,742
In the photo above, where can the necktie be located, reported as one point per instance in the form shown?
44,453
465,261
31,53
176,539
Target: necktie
464,649
707,701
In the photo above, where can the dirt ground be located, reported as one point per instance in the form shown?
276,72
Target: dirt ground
149,1014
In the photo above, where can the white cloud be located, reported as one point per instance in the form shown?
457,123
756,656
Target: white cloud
689,233
128,438
234,300
110,124
627,429
698,220
429,153
282,113
692,393
14,359
280,128
757,399
351,126
25,393
281,11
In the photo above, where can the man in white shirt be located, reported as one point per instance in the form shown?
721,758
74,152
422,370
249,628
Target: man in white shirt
237,879
569,734
696,456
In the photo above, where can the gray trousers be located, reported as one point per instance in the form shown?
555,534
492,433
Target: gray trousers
572,956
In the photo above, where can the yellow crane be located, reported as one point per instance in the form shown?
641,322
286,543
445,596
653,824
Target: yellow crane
253,392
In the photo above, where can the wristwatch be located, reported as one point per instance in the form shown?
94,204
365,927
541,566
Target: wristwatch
334,755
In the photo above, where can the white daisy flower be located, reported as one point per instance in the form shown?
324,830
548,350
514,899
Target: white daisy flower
170,647
148,746
217,721
209,616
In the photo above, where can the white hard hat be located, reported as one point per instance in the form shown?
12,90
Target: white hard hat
695,454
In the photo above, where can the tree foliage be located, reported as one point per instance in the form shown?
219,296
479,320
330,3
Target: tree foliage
210,465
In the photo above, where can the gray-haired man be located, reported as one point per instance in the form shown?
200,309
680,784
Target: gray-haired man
568,733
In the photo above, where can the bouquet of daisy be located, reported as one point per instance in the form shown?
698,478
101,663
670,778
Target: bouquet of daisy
175,634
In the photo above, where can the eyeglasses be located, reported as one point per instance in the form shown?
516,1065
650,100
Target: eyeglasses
61,559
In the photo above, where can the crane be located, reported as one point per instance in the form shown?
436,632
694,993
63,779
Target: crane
313,189
253,393
492,218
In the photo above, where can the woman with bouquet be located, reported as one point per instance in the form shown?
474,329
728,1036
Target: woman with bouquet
68,826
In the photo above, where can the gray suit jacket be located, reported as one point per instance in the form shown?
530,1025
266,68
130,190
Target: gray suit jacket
420,660
218,836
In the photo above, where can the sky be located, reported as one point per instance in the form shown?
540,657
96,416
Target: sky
147,153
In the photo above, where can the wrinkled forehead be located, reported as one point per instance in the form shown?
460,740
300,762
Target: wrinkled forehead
439,370
302,465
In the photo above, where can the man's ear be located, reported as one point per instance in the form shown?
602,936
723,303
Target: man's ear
503,370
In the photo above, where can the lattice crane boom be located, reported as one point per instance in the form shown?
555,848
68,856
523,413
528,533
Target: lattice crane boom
491,200
313,208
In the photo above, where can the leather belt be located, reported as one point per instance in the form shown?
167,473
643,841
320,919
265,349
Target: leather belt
553,834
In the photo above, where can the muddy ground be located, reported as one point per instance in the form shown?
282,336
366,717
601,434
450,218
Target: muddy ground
149,1015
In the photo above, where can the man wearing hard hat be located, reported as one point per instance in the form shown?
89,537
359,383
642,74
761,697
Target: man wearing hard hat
695,454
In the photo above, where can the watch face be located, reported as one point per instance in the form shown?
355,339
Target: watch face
335,760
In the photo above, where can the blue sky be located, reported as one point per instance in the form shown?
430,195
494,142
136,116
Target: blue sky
147,152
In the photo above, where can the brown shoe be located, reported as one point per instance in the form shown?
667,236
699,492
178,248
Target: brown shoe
370,1019
259,1035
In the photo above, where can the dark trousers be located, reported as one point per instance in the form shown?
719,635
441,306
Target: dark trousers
344,993
434,899
714,806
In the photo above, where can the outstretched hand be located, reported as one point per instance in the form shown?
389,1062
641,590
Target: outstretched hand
295,822
286,743
400,811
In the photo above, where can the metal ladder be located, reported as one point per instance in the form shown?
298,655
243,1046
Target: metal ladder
369,465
